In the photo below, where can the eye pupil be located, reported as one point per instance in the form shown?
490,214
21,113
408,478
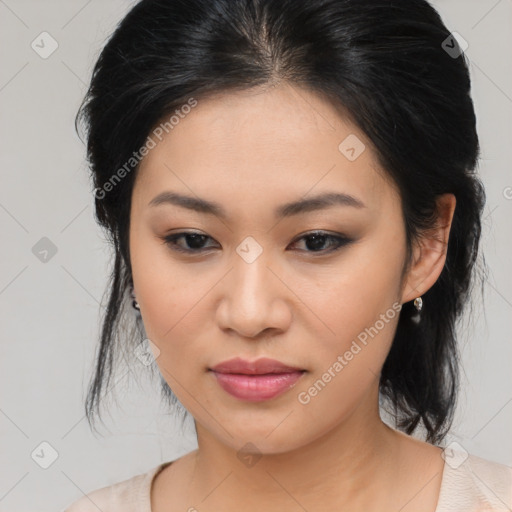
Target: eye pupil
195,237
318,241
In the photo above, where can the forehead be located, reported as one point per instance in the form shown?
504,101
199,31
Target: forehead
263,146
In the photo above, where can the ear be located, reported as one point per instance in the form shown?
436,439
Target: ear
429,253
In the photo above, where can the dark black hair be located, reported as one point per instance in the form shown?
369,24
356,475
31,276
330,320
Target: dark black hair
385,64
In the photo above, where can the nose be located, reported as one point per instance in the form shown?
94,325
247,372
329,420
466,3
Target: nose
254,299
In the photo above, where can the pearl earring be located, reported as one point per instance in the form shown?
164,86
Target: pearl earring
135,304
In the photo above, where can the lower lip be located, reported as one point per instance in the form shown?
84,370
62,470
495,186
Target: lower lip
256,388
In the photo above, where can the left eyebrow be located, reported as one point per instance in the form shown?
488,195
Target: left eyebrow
318,202
314,203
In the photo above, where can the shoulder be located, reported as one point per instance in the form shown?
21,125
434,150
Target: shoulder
472,483
130,495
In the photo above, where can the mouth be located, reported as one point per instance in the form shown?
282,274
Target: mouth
256,381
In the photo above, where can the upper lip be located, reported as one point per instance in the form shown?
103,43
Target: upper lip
257,367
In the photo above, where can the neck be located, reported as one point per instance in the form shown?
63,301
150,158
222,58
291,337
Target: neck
345,465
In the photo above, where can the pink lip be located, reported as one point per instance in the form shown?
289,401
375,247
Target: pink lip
255,381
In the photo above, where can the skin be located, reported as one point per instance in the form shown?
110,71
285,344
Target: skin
251,152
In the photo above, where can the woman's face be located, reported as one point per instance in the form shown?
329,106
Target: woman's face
254,285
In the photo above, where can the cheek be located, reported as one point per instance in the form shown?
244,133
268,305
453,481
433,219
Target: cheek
358,305
349,296
346,366
175,321
170,306
171,298
348,357
174,315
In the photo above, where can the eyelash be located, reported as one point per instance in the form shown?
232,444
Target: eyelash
341,241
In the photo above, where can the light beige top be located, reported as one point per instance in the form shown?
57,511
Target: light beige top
476,485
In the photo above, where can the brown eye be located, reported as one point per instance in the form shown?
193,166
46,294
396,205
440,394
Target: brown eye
317,241
194,242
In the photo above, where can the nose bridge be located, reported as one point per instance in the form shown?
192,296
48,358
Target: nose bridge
250,300
251,274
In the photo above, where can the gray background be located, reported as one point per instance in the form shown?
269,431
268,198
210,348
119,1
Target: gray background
50,311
